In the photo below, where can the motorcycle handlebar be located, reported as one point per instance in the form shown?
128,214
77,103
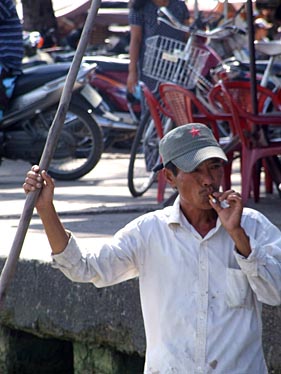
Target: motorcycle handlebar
223,31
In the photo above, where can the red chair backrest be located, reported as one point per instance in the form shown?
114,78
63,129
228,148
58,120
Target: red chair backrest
241,93
186,107
157,110
220,102
238,96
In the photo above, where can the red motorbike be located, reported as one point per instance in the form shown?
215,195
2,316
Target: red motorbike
123,109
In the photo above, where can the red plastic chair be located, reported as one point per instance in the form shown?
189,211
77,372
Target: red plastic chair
218,99
158,111
186,107
251,128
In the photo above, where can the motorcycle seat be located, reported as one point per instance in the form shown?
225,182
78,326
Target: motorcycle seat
105,63
34,77
260,66
270,48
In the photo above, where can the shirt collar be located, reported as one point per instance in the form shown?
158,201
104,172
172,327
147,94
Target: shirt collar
175,213
176,217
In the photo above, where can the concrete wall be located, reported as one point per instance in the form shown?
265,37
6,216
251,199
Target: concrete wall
104,326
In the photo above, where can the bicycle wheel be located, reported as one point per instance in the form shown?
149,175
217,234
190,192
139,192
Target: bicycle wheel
144,156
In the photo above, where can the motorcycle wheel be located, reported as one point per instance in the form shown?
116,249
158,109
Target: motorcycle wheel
80,144
144,156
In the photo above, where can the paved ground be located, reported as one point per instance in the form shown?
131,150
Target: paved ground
94,206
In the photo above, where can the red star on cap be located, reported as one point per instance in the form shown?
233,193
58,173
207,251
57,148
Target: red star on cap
194,132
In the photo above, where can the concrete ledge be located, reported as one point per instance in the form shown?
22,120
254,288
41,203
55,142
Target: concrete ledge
41,301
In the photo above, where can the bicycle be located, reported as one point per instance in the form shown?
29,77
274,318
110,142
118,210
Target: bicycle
181,63
144,152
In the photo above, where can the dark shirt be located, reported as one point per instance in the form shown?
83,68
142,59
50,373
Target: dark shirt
11,41
146,17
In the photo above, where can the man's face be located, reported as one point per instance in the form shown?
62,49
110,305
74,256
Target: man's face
194,188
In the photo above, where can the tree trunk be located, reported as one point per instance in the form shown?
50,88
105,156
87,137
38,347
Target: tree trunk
38,15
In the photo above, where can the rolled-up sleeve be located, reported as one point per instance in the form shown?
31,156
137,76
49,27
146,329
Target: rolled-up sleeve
104,264
70,257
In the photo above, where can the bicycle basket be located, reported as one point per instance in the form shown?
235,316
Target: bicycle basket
166,61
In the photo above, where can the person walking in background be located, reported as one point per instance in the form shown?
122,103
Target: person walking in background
205,265
267,11
143,24
262,27
11,51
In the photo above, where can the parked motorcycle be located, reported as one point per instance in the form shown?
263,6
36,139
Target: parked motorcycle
109,79
120,111
25,125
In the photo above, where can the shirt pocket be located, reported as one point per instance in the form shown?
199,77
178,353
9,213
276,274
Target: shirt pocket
238,290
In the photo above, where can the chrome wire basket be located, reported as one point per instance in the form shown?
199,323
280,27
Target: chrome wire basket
166,60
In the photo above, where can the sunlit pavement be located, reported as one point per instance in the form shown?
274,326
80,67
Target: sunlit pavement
94,206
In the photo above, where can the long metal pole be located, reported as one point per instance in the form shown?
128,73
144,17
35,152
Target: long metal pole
225,10
48,152
195,9
252,56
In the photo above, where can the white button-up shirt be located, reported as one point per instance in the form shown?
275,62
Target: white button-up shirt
201,300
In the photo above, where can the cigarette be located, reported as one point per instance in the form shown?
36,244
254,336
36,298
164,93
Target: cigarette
224,204
212,199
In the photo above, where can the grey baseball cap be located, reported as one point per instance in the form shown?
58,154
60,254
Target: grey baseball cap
188,146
